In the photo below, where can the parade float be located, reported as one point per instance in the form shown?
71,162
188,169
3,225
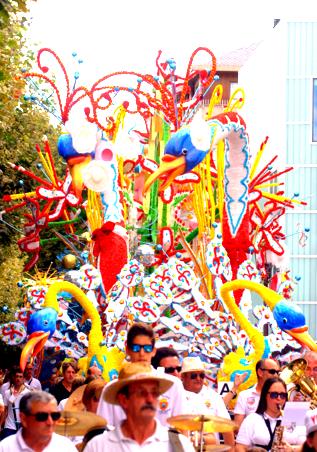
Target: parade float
167,217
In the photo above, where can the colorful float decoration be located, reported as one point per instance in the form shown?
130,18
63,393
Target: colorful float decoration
180,223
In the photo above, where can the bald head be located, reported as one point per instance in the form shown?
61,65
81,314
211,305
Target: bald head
266,368
94,372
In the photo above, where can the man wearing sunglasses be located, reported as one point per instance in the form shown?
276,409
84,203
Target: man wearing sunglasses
38,414
201,398
168,359
247,401
140,348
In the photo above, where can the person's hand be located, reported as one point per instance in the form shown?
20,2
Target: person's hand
238,380
286,447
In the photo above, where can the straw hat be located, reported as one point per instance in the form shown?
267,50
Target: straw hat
311,421
131,373
96,175
193,364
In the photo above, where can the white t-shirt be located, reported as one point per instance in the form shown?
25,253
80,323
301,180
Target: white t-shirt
34,384
16,443
171,403
247,401
61,405
13,402
115,441
207,402
4,387
254,431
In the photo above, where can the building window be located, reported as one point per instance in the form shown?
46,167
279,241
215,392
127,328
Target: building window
315,110
234,86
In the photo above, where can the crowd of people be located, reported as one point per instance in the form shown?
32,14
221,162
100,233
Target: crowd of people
153,386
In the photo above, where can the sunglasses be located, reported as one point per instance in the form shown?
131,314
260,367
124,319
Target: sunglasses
41,416
194,376
272,371
170,370
281,395
148,348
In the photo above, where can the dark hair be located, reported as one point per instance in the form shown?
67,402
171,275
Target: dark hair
67,364
33,397
15,370
259,365
306,447
139,329
161,353
265,390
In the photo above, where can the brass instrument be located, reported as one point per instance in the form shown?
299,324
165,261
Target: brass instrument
278,435
294,372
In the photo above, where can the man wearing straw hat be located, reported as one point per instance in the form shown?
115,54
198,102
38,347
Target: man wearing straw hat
137,391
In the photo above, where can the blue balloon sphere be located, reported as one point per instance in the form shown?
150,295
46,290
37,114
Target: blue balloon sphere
65,146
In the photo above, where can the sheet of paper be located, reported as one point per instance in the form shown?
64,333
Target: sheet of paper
294,413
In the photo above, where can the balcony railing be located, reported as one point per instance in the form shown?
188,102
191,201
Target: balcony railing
222,103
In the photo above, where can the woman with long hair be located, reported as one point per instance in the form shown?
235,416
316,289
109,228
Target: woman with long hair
262,428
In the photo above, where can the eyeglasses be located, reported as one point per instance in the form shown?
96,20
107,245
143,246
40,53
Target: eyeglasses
41,416
194,375
275,395
148,348
272,371
144,393
170,370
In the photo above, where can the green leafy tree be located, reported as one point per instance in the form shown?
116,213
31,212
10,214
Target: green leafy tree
22,126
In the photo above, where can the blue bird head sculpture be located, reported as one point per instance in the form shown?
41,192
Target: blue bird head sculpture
184,151
290,318
40,327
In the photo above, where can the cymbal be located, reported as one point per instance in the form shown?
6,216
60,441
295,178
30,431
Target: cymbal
194,422
77,423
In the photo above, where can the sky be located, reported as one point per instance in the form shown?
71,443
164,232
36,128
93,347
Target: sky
114,35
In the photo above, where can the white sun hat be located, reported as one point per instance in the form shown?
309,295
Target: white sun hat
193,364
